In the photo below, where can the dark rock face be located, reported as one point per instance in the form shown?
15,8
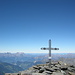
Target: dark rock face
57,68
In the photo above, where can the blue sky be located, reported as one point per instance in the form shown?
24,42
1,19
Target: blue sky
27,25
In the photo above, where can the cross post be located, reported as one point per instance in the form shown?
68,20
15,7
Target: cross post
50,52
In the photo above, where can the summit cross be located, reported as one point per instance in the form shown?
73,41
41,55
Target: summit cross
49,52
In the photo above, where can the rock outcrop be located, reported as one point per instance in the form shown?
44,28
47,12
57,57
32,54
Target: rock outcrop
57,68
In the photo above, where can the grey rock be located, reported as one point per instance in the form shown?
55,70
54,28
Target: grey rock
48,72
71,69
57,73
64,67
58,65
72,66
49,69
63,72
60,62
71,73
41,70
35,67
54,63
38,74
55,68
12,74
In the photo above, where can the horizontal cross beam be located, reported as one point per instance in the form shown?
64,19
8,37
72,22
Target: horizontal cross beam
48,48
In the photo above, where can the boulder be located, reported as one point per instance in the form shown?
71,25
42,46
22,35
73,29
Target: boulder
49,69
71,73
71,69
64,67
63,72
38,74
72,66
57,73
48,72
58,65
41,70
56,68
54,63
35,67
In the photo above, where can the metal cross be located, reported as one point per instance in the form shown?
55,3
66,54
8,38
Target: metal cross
50,51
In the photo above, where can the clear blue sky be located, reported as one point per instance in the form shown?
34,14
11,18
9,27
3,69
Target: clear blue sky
27,25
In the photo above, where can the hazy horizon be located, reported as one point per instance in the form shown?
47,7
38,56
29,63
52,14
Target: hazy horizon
29,53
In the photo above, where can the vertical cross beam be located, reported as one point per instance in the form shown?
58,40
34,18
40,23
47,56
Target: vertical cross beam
49,53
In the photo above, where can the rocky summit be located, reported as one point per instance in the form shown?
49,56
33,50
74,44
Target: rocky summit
57,68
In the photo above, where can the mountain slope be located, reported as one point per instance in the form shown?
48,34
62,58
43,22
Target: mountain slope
8,68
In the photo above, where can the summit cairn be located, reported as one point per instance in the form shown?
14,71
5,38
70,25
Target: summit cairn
57,68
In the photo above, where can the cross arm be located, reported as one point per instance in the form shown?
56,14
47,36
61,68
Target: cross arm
48,48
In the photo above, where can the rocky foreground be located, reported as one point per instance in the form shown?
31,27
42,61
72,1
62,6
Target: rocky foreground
57,68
